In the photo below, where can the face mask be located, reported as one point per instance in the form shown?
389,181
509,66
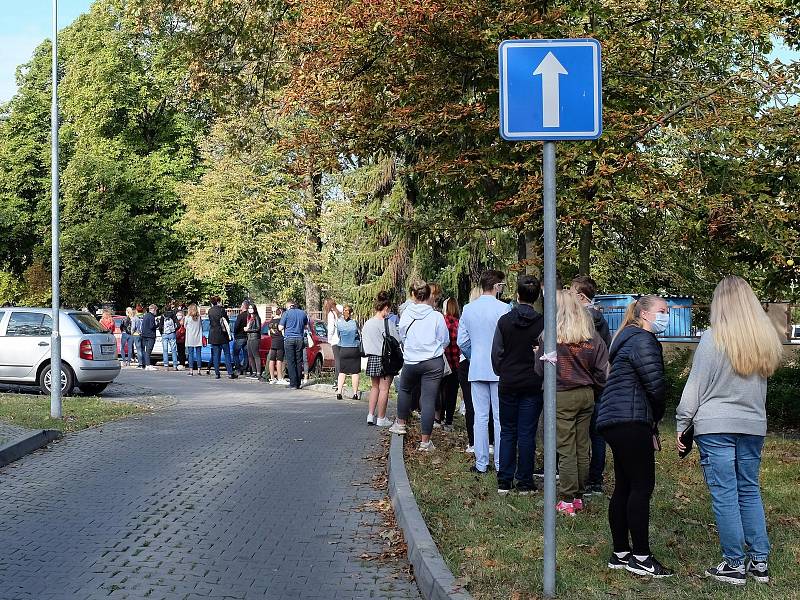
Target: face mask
250,310
660,323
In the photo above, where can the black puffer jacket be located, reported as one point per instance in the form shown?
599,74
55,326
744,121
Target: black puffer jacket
636,388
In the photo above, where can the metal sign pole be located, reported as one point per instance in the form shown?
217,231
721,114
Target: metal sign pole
549,174
55,337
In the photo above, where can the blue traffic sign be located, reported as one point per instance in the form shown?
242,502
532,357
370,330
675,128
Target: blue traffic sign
550,90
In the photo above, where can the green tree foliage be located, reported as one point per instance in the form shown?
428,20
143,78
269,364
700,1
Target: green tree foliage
127,139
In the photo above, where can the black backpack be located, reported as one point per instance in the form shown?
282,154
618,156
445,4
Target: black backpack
392,353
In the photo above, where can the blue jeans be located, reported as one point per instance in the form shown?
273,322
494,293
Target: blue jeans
126,347
169,345
147,344
240,354
293,350
193,354
216,351
598,444
485,401
731,463
519,418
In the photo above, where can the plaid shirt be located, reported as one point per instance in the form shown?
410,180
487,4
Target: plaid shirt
452,352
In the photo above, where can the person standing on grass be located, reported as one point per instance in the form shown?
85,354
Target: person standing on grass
582,362
193,327
466,392
519,389
448,391
276,350
425,336
332,314
126,340
293,324
148,337
475,336
219,336
631,406
585,289
349,353
375,331
253,330
725,399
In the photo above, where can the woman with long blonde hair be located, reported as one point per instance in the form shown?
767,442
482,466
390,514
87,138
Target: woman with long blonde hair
631,406
582,360
724,400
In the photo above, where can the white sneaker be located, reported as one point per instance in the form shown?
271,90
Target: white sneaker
150,368
426,446
398,428
273,381
470,450
282,382
383,422
370,419
180,367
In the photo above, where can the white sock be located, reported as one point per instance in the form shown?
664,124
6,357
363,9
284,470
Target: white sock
641,557
621,554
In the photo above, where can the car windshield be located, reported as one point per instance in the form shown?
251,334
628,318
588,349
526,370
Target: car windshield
87,323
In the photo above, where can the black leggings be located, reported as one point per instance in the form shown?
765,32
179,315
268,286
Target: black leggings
448,396
634,481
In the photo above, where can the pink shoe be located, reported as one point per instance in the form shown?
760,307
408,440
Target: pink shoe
577,504
566,508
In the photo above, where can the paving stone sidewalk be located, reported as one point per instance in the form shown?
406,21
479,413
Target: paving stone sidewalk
240,490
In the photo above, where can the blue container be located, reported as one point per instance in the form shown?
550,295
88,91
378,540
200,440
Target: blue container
613,307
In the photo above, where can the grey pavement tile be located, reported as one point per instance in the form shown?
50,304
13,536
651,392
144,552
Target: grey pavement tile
209,498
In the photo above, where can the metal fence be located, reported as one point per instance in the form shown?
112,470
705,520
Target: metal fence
687,323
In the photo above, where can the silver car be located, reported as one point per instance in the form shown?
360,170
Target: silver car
88,351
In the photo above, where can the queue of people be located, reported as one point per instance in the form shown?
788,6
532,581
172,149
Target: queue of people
609,391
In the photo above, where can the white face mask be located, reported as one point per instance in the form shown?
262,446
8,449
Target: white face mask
660,323
250,310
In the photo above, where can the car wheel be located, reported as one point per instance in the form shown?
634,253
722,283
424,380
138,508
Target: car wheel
316,370
67,380
93,389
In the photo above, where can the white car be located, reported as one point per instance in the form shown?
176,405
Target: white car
88,351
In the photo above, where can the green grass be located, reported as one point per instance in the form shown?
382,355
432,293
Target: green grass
495,544
33,411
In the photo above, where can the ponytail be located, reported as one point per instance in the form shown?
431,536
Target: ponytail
633,314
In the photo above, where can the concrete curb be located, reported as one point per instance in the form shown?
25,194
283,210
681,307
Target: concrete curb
434,579
27,444
325,388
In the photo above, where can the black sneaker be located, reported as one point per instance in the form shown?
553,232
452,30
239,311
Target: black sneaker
474,469
757,569
524,489
503,487
594,488
616,562
727,574
649,567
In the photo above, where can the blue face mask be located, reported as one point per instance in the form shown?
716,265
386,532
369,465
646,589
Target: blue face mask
660,323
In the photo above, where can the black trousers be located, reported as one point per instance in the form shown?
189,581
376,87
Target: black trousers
634,482
448,396
469,410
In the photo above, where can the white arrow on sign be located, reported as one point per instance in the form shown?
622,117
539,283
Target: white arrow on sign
550,69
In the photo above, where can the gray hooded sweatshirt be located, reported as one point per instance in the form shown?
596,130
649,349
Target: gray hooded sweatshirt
724,402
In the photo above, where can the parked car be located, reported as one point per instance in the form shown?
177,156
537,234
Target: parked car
320,355
88,351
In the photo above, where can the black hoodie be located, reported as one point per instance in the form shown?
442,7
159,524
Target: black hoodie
513,355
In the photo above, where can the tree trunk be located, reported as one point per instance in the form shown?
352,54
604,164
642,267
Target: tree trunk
585,249
533,251
313,268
